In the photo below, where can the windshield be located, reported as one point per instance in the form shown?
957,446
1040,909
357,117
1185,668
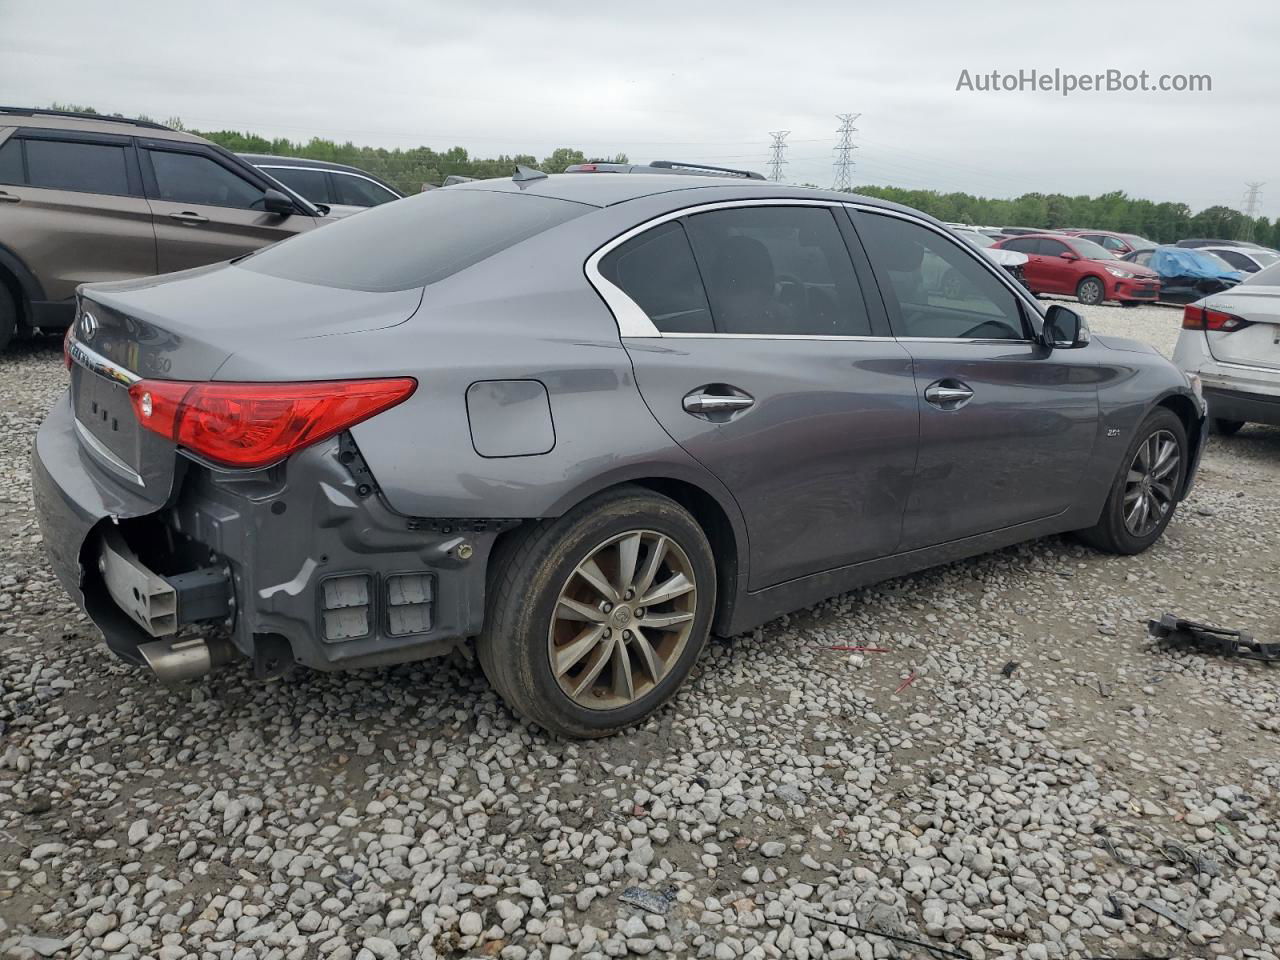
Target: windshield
1136,242
1092,251
412,242
975,238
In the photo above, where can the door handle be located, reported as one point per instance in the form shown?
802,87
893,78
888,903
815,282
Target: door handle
187,217
9,198
709,401
948,394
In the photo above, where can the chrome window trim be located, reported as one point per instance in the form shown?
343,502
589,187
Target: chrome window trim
95,362
336,173
109,459
634,323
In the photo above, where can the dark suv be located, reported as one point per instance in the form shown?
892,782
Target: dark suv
85,198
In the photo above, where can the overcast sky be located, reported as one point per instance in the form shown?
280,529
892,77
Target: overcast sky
667,80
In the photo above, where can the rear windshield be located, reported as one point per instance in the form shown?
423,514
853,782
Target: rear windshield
412,242
1266,277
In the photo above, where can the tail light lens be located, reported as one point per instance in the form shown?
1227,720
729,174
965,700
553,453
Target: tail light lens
257,424
1202,318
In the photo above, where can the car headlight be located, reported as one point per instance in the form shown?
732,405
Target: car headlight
1117,272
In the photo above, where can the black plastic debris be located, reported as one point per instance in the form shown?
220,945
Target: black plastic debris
1175,631
650,901
1009,667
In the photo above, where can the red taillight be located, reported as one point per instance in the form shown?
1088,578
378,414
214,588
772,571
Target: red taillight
1202,318
586,168
256,424
66,347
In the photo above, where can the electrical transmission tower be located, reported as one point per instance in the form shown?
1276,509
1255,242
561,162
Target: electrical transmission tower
844,151
776,150
1252,201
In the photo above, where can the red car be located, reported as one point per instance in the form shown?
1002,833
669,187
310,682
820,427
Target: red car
1057,263
1117,243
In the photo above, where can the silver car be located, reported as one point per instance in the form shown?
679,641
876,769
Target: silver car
579,422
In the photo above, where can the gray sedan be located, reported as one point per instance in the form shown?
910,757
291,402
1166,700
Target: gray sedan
580,422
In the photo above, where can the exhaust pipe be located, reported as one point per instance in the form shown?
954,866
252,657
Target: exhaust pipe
175,661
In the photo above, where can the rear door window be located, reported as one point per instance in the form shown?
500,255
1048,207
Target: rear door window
359,192
417,241
83,167
656,269
312,184
193,178
1027,245
778,271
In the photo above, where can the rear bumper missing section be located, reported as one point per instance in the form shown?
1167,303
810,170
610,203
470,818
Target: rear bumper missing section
311,553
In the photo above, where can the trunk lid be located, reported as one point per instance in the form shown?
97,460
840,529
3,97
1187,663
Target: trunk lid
1257,345
185,326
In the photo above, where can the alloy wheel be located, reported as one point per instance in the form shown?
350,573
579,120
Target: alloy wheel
1148,489
1091,292
622,619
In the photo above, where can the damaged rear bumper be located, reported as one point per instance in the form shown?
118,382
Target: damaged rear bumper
303,556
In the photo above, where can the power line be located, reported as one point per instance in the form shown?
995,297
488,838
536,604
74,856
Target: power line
1252,200
844,151
777,149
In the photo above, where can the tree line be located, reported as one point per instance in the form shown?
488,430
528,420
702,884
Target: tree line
409,169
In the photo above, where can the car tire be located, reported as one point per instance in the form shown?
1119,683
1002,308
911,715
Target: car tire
8,317
1116,530
1090,291
1226,428
538,568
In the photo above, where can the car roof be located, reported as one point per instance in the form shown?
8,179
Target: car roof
606,189
270,160
89,123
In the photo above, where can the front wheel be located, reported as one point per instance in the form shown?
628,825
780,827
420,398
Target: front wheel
595,619
1145,491
1090,291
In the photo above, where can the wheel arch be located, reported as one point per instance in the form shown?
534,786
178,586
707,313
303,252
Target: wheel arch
20,282
1186,410
714,509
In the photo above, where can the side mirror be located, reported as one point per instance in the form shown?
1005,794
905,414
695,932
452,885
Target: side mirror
324,208
1068,256
273,201
1064,329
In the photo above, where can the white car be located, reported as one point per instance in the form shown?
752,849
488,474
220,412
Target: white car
1231,340
1245,259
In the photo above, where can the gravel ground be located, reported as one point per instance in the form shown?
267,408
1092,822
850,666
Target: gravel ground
1105,799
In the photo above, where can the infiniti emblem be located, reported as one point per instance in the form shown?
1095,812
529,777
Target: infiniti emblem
88,326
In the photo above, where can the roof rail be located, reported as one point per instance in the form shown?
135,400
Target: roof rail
42,112
727,171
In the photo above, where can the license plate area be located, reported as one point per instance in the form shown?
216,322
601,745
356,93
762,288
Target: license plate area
103,411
